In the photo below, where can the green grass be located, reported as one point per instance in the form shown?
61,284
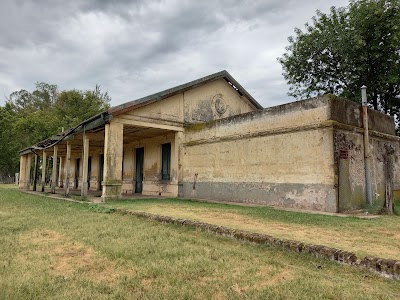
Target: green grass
52,249
376,236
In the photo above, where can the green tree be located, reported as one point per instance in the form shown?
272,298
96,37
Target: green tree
350,47
8,146
29,117
72,107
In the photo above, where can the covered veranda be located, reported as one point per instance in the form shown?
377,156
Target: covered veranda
106,156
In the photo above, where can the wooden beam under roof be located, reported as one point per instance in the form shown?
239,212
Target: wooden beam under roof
127,121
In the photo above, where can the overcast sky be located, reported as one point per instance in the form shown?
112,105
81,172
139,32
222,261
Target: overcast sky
136,48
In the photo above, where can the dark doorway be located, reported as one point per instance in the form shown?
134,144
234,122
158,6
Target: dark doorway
89,173
139,170
101,171
77,169
166,162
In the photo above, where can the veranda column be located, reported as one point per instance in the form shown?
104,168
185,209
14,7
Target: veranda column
113,151
66,170
35,174
60,173
84,188
44,162
28,172
176,163
175,158
22,171
54,173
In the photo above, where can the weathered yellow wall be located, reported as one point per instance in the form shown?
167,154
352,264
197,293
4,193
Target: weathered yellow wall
214,100
94,174
95,171
170,109
353,141
280,156
350,172
286,155
201,104
196,105
152,184
291,169
71,172
285,118
128,186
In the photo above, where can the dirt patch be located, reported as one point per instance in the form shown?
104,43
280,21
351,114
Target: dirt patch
266,277
40,237
220,295
68,258
276,278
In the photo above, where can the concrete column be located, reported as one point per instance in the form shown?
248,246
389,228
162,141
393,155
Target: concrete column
176,164
175,158
95,172
44,162
35,174
22,171
113,151
61,173
28,172
66,170
85,160
54,173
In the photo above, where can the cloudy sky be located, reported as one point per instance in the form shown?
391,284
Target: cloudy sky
135,48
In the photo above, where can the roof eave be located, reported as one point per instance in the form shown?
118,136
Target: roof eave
88,124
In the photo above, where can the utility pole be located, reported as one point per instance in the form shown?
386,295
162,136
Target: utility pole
366,145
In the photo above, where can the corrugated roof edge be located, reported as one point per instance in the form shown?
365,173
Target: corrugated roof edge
120,109
53,140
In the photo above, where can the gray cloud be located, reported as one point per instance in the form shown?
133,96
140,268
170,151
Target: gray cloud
134,48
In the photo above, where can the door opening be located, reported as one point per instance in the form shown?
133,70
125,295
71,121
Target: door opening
139,170
77,171
89,173
101,171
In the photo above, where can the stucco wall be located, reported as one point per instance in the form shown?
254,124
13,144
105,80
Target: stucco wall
353,169
350,113
281,156
215,100
348,135
288,155
152,184
169,109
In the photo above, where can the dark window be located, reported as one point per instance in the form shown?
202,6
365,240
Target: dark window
166,162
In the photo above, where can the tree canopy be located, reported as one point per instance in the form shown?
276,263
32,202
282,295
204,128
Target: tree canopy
29,117
350,47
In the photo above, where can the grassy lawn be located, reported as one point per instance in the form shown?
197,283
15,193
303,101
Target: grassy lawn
55,249
379,236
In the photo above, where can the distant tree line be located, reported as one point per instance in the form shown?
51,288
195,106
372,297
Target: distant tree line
29,117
